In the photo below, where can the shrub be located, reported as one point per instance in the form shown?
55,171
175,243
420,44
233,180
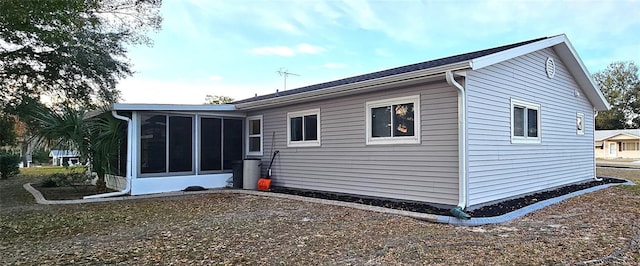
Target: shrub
65,179
8,165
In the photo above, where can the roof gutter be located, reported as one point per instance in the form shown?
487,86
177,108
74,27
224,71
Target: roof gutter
367,85
127,188
458,211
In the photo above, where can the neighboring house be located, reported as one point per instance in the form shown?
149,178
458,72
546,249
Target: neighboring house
64,157
465,131
622,143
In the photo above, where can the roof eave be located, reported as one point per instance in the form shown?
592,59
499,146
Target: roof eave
358,87
172,107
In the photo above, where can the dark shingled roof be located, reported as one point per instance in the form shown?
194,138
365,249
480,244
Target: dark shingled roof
391,72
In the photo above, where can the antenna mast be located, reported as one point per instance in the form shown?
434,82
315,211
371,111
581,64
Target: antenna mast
284,73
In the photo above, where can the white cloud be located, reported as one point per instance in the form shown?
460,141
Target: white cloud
274,50
303,48
215,77
332,65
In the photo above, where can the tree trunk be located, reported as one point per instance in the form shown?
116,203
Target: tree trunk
25,149
101,185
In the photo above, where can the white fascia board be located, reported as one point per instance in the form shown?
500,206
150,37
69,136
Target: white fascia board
620,134
498,57
570,57
367,85
172,107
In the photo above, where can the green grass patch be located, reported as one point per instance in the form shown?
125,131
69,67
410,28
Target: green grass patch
49,170
634,188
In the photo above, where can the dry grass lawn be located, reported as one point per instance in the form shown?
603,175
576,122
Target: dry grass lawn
601,227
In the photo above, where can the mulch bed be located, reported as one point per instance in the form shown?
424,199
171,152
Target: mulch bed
497,209
67,192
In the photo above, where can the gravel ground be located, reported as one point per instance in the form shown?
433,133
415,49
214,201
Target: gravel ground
596,228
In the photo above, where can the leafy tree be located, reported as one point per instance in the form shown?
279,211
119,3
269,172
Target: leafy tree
41,156
217,99
7,130
620,84
73,51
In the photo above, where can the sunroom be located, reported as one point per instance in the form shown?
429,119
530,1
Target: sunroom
172,147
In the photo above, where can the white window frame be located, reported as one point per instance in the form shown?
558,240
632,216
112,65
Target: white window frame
303,143
580,117
526,139
249,135
415,139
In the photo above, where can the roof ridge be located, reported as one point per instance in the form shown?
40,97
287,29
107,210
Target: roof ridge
393,71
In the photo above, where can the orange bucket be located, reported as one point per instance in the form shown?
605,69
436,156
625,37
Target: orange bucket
264,184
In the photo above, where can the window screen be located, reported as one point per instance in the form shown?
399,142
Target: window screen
210,144
153,143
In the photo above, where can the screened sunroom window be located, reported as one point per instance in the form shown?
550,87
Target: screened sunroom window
303,128
393,121
220,143
525,122
166,140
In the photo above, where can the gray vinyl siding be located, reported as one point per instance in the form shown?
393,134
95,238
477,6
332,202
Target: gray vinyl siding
498,169
426,172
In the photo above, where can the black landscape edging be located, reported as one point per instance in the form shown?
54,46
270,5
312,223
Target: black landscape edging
494,210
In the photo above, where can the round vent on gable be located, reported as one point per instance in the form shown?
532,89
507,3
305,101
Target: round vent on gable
550,67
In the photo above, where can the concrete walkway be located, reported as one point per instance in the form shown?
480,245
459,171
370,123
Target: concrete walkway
618,164
416,215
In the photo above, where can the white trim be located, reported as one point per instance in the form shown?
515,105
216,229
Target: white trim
491,59
525,139
304,143
415,139
580,119
248,135
172,107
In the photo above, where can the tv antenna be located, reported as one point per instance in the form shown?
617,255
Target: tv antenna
284,73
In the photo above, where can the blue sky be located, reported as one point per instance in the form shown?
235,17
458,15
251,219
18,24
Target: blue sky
235,48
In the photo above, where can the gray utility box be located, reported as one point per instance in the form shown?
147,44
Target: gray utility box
251,173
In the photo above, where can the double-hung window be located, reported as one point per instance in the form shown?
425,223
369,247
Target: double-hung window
303,128
393,121
525,122
254,135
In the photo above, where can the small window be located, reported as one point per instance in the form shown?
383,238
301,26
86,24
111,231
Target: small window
254,135
303,128
393,121
525,122
580,123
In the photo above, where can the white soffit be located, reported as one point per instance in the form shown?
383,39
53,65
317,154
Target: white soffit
172,107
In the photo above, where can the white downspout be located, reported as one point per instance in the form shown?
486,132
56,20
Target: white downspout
462,147
595,176
127,188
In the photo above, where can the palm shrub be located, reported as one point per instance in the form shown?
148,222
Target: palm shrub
94,134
